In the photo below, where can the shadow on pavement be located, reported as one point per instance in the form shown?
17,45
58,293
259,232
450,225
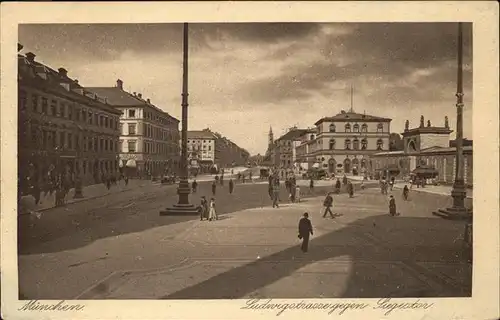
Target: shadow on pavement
80,224
403,245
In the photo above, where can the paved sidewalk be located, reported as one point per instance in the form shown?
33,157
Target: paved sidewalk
440,189
27,203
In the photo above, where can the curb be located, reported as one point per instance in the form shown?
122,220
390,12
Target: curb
81,200
439,194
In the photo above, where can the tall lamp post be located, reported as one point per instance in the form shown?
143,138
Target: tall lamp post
183,207
458,211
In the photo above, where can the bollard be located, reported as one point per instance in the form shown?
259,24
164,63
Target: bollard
78,189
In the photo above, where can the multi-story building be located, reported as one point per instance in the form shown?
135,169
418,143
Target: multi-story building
343,144
207,150
283,152
64,129
201,150
428,145
149,140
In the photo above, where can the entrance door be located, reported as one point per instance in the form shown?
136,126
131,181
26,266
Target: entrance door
347,166
332,164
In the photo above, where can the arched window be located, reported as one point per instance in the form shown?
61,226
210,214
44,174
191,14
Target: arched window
356,128
332,127
380,127
355,144
311,136
364,127
347,144
332,144
364,144
348,127
380,144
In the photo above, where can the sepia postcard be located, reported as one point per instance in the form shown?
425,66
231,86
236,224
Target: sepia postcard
250,160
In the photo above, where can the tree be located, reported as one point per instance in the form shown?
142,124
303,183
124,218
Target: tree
395,142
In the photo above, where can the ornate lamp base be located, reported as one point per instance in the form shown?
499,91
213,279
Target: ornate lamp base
180,210
458,211
183,208
454,213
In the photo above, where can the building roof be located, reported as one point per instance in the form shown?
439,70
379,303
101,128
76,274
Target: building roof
30,69
353,116
443,149
200,134
435,130
294,134
118,97
389,153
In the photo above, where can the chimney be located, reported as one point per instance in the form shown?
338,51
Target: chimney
139,95
63,72
19,47
31,56
119,84
76,81
149,101
135,94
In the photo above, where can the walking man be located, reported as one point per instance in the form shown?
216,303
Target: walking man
328,203
305,230
350,189
311,185
231,185
392,206
406,191
276,194
194,186
214,187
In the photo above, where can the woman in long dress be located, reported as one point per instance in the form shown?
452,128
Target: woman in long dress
212,213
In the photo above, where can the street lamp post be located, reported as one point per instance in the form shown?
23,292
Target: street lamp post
458,211
183,207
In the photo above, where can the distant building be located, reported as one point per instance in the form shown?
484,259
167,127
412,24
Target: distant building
343,144
426,145
208,149
283,153
201,150
64,130
149,141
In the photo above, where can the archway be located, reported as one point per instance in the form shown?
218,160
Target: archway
347,165
332,164
355,166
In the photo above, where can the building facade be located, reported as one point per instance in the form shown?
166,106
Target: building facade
65,130
201,150
208,149
149,136
343,144
427,145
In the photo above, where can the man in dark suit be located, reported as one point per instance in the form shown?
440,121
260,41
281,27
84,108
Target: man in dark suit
305,229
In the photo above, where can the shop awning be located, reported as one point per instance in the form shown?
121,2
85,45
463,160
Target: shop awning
425,172
131,163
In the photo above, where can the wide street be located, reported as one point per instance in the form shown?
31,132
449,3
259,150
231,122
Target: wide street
119,247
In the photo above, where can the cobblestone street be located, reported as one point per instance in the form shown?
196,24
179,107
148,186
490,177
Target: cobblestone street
119,247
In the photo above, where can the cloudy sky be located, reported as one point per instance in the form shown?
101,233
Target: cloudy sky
244,78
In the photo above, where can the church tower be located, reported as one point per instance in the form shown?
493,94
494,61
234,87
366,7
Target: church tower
271,137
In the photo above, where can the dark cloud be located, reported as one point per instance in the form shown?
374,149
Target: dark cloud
106,41
386,52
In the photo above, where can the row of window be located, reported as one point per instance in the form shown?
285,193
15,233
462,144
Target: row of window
46,139
356,127
197,148
40,104
132,114
149,132
149,147
199,141
356,144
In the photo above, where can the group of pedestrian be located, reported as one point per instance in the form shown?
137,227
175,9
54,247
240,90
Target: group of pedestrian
293,189
214,185
207,210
